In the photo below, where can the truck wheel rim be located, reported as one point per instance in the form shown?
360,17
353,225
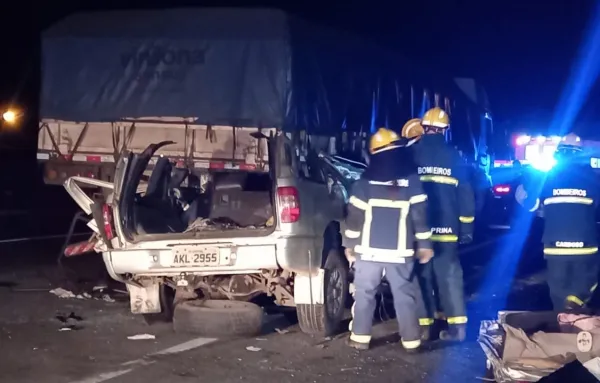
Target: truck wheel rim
334,293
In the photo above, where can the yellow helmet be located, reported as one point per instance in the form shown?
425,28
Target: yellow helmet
570,141
412,129
436,117
383,139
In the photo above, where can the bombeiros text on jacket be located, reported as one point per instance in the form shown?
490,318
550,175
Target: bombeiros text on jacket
435,170
569,192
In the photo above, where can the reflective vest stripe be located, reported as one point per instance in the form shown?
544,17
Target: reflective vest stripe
570,250
440,180
444,238
577,200
466,219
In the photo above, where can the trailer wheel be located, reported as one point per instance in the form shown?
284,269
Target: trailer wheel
222,318
166,295
325,319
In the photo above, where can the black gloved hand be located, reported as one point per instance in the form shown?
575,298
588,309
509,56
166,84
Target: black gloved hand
465,239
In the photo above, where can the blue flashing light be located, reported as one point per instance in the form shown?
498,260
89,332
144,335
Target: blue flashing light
543,164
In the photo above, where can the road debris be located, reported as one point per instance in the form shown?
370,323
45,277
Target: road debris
253,349
65,294
279,331
107,298
141,337
70,321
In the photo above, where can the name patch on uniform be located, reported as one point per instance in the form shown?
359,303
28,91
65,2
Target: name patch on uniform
568,244
441,230
435,170
569,192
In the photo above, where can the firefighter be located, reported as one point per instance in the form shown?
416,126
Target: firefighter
445,178
386,217
568,196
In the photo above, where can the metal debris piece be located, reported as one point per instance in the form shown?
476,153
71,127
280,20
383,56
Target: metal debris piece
141,337
107,298
62,293
253,349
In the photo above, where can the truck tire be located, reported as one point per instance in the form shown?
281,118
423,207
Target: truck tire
218,318
166,295
325,319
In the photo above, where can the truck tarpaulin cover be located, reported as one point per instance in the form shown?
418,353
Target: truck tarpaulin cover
234,67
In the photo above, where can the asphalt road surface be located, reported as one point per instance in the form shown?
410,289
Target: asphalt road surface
36,348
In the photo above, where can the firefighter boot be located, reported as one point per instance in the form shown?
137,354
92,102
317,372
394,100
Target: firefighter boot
411,347
455,333
357,345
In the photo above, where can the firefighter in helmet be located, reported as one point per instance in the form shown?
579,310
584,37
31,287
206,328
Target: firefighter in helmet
569,196
446,182
387,216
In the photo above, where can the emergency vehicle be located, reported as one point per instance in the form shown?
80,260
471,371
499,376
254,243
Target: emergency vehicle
532,156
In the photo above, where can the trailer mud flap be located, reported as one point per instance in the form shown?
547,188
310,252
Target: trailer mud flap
145,299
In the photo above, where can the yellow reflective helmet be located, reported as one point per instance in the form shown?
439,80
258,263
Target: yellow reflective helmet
412,129
384,139
436,117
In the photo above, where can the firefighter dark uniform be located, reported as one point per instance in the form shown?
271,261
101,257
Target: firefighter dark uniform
446,182
568,199
386,217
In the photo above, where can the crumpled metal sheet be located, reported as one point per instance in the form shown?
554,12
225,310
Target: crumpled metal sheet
491,340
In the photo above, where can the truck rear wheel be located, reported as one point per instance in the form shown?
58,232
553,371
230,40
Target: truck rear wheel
325,319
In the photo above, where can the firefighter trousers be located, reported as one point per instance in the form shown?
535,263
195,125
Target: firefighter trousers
406,295
441,281
571,279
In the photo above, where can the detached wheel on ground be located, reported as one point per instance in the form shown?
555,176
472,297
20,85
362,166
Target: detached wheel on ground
166,296
218,318
325,319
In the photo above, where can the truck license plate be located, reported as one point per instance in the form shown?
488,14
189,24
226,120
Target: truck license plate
195,257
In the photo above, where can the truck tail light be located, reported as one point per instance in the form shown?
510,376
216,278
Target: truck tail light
289,204
501,190
107,217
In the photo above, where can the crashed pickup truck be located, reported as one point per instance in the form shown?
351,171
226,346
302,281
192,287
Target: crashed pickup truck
226,235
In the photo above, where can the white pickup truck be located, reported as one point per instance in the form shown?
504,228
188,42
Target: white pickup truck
226,234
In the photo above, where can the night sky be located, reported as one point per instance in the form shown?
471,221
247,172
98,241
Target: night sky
522,51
